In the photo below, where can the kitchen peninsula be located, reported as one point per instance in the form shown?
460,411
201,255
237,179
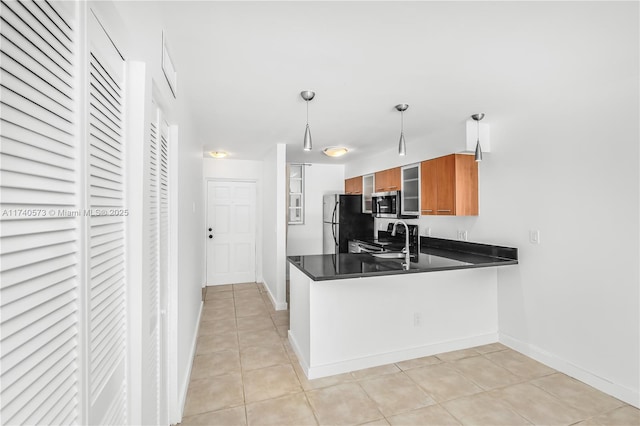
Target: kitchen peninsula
352,311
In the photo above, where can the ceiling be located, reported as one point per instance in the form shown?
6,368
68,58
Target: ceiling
241,67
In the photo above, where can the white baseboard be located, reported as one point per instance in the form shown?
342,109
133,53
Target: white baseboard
185,384
318,371
630,396
276,305
298,352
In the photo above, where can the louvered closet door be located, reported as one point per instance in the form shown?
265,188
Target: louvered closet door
39,228
151,296
106,231
154,398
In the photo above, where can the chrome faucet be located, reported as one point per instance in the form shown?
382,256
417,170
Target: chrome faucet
405,250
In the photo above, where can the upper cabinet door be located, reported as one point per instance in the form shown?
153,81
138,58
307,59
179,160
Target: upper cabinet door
428,187
410,190
446,179
449,186
466,178
388,180
395,180
353,185
368,185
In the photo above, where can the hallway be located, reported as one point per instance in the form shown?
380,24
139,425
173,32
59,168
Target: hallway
246,373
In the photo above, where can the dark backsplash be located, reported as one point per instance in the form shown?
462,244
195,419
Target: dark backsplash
399,239
468,247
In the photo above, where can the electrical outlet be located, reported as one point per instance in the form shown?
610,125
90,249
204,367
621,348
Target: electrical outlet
534,236
462,235
427,232
417,319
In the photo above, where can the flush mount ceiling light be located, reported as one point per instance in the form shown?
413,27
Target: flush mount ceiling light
218,154
477,118
402,147
307,95
335,151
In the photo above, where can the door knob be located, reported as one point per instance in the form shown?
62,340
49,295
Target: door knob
210,229
210,236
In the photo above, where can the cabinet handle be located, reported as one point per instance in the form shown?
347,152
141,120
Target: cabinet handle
427,210
444,210
393,187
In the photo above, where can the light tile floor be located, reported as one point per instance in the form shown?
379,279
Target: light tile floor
245,372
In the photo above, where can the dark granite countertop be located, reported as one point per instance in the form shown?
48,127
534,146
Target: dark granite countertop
435,255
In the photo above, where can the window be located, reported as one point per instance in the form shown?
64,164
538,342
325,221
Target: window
296,194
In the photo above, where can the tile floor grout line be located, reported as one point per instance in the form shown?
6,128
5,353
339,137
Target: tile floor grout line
566,402
244,395
313,411
459,420
418,384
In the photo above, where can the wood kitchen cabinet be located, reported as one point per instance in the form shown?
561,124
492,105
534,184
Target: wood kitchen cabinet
449,186
388,180
353,185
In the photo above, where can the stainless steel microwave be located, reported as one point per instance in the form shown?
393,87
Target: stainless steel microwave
385,204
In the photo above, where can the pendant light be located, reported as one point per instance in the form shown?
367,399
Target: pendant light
477,118
402,146
307,95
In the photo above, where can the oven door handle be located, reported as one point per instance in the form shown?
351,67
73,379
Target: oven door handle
364,249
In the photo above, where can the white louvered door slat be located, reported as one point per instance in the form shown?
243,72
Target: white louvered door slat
39,297
106,233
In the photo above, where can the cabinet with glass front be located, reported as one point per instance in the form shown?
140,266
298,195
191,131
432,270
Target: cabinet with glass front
296,194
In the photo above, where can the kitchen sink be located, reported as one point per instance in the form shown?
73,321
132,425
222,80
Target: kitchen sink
389,255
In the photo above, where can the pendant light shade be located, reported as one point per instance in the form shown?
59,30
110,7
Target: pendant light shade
402,145
478,153
307,139
307,95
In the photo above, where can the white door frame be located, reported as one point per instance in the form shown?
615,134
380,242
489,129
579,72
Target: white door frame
174,399
206,212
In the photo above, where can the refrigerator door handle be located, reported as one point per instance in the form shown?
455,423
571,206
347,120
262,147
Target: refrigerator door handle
333,224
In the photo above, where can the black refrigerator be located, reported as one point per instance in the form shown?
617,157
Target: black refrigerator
343,220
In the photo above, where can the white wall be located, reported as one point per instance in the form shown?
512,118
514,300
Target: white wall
319,179
190,246
242,170
274,224
564,161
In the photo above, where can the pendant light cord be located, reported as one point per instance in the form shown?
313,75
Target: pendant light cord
401,122
307,113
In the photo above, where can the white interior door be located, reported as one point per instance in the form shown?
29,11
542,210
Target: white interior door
231,236
106,290
40,236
